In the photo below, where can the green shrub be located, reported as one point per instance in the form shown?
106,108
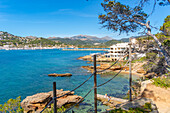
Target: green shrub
139,60
151,55
162,82
147,106
51,110
145,109
12,106
148,66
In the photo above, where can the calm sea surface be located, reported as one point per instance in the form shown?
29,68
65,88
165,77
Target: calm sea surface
25,72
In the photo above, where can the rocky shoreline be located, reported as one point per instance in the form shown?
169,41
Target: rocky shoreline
104,63
149,93
146,91
37,102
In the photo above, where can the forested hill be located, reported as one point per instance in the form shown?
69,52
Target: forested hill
87,41
18,41
84,41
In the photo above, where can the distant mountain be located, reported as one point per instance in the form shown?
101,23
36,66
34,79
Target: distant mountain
106,38
51,38
81,40
124,40
111,42
84,37
91,38
75,42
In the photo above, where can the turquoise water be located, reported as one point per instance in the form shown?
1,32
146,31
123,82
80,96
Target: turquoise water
25,72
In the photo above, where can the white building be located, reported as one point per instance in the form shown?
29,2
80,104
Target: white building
1,32
117,51
1,38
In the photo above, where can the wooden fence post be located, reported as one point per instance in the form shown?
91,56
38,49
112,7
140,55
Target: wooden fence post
130,72
54,96
95,85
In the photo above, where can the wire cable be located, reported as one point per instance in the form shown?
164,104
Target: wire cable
68,92
85,82
111,65
113,76
81,100
114,62
76,87
47,105
96,87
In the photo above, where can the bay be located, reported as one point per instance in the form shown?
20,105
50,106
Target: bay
25,72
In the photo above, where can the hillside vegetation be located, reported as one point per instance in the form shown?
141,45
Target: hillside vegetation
17,41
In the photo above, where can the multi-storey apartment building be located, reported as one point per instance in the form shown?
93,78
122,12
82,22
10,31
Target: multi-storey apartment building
117,51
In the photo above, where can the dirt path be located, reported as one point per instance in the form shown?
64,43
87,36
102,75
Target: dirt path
160,96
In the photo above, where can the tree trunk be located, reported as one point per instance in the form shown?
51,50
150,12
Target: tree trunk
167,59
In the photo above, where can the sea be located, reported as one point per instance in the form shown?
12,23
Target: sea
25,73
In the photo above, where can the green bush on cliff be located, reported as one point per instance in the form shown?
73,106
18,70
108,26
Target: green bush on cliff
162,82
166,25
144,109
12,106
139,60
51,110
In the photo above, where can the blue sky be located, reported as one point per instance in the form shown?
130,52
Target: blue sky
62,17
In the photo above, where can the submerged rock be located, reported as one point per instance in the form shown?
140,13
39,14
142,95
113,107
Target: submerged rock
85,104
60,75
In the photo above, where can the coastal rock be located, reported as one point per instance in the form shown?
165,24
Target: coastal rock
69,99
87,57
139,103
60,75
104,66
60,93
35,103
142,71
104,59
99,59
112,102
144,84
150,75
